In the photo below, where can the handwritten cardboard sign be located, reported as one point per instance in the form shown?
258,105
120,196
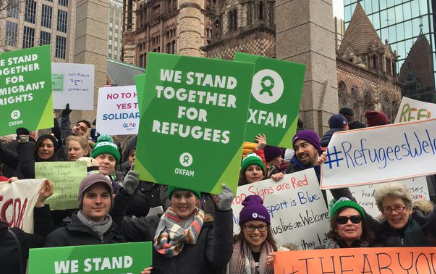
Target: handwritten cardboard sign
296,207
73,84
414,110
365,194
66,178
410,260
103,259
17,201
380,154
117,111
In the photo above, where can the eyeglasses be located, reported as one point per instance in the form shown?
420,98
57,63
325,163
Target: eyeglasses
251,228
397,208
344,219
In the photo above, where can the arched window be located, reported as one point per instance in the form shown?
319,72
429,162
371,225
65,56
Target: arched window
342,94
260,10
374,61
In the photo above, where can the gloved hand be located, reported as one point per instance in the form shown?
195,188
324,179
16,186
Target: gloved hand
226,198
131,182
67,110
23,135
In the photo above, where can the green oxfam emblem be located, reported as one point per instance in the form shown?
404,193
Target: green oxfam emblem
267,84
267,87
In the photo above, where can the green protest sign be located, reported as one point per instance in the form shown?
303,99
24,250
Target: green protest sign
103,259
57,82
66,178
275,99
25,90
140,89
193,123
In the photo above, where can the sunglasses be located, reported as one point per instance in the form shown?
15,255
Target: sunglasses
343,219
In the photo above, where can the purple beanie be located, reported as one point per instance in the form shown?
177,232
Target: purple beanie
271,153
309,136
89,181
337,121
376,118
253,210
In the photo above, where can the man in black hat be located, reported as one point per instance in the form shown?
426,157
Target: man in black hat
348,113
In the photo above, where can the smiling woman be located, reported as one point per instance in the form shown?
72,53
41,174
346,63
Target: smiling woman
403,224
253,248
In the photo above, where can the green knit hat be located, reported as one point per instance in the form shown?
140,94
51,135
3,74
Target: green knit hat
172,189
105,145
345,202
252,159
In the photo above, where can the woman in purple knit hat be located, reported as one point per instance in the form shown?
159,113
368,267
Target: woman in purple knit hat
254,246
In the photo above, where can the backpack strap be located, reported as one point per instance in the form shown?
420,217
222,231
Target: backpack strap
19,250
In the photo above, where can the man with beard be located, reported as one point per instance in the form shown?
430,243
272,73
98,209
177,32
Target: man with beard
308,154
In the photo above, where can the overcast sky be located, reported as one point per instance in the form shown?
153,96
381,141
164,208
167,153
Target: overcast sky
338,9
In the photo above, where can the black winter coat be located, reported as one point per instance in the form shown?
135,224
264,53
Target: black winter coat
9,261
76,233
209,255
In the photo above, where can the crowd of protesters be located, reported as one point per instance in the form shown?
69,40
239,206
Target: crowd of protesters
192,232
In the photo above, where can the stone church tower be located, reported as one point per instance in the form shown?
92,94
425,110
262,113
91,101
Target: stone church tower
366,69
242,25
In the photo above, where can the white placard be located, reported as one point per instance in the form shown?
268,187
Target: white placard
17,201
414,110
73,84
296,207
117,111
380,154
365,194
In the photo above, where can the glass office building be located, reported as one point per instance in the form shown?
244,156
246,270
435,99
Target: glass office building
401,22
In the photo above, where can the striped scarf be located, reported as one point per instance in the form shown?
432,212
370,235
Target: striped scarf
170,237
242,261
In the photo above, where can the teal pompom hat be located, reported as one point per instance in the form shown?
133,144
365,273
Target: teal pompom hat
252,159
105,145
343,203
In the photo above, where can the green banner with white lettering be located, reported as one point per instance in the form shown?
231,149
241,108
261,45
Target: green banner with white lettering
25,90
275,99
103,259
193,123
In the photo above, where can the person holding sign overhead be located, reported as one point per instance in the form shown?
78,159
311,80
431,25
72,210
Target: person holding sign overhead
308,154
348,227
254,246
186,239
403,225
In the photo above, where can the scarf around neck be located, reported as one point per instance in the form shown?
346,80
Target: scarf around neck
242,261
98,227
171,237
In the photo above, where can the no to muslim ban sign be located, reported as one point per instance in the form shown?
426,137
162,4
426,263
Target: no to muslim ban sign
117,111
380,154
192,130
414,110
382,260
25,90
296,207
275,99
127,258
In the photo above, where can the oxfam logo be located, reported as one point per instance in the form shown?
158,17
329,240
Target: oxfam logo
267,86
15,114
255,215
